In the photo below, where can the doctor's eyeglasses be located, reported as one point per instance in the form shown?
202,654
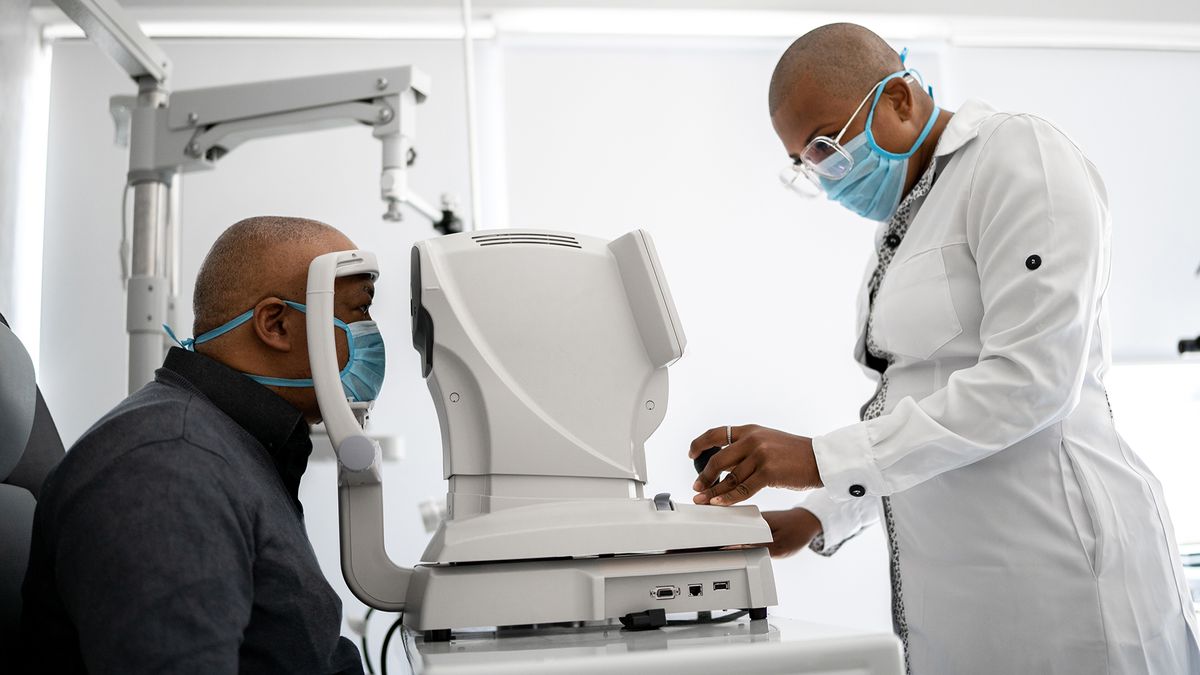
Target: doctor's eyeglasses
825,157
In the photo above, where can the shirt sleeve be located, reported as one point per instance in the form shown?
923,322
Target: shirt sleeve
154,564
1037,224
841,521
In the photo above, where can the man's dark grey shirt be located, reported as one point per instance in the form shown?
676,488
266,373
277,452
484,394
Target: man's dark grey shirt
171,540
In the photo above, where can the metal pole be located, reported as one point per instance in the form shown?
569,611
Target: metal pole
468,19
174,254
149,287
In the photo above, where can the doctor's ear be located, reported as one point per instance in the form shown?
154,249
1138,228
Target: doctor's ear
898,95
276,325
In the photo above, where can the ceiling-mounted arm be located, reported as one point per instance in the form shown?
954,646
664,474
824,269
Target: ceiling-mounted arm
117,34
200,126
169,133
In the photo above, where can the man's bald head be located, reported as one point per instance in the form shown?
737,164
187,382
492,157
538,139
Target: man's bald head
839,60
256,258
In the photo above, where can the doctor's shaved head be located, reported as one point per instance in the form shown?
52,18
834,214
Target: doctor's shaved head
256,258
836,61
821,79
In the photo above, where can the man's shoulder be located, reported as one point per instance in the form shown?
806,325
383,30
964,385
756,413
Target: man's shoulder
159,424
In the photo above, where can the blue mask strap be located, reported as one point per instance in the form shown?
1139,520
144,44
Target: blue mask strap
280,381
307,381
186,344
871,121
221,330
190,344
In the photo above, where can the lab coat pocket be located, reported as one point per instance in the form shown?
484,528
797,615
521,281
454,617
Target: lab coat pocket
1081,506
914,311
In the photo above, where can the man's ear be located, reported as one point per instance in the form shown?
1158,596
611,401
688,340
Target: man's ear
274,324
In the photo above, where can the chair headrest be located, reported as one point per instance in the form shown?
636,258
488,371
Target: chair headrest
18,400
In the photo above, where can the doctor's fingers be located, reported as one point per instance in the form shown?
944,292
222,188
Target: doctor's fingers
724,460
718,437
743,481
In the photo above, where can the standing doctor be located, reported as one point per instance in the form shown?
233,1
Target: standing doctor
1025,535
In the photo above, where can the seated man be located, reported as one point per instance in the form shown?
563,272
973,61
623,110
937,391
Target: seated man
170,538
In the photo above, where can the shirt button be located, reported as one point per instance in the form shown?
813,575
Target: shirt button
857,491
1033,262
892,241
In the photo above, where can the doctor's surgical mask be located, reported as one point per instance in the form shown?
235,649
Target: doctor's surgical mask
362,378
860,175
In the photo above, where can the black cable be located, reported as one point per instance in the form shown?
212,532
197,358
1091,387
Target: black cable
407,655
387,639
724,618
367,652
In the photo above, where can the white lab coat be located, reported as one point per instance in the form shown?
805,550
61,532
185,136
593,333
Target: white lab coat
1031,538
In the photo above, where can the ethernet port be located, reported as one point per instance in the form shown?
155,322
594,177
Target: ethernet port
695,590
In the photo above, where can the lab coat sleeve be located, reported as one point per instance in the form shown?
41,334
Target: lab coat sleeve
154,578
1032,194
841,521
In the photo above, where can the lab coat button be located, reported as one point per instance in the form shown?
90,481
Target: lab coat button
1033,262
857,491
892,241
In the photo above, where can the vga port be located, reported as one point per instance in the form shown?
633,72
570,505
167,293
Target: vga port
665,592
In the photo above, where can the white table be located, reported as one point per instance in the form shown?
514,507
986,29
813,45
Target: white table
775,646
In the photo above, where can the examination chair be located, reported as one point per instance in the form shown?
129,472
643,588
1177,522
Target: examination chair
29,448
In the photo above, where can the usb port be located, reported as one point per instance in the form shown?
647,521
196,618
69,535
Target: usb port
720,585
695,590
665,592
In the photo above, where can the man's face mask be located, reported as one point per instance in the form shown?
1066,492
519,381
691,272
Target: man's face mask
362,378
860,175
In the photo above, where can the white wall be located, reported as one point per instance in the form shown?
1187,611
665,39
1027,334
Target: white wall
603,136
1156,407
24,90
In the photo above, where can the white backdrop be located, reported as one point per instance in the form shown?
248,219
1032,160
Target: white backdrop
600,137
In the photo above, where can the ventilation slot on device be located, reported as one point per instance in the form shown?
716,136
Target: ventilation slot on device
526,238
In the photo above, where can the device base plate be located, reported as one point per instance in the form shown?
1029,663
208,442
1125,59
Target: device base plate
442,597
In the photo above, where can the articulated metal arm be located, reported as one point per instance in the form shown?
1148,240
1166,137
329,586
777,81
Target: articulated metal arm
200,126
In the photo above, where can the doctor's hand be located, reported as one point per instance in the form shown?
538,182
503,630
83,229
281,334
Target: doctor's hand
791,530
757,458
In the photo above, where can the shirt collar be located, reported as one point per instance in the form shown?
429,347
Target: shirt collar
963,126
271,420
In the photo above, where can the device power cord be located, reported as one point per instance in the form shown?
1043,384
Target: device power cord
366,653
387,640
705,618
124,249
702,619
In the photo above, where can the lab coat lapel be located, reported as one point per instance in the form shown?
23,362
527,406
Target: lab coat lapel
864,308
